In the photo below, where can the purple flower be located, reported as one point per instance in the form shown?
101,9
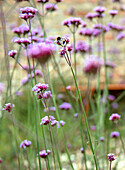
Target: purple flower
120,36
114,134
44,153
42,1
68,88
2,87
25,81
91,15
114,105
115,27
82,150
99,9
111,157
50,109
40,87
76,115
58,0
38,73
1,161
25,144
102,139
62,52
86,32
65,106
12,53
113,12
109,64
114,117
61,122
22,29
45,120
47,94
18,93
41,51
111,97
93,127
92,64
51,7
72,21
81,47
8,107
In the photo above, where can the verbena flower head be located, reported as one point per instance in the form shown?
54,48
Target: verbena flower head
18,93
115,27
24,144
111,157
47,94
68,88
109,64
114,105
82,150
91,15
58,1
8,107
114,117
65,106
50,109
1,161
44,153
113,12
41,51
12,53
22,29
51,7
61,122
23,41
99,9
111,97
27,13
92,64
114,134
42,1
102,139
81,47
72,21
40,87
120,36
76,115
86,32
93,127
45,120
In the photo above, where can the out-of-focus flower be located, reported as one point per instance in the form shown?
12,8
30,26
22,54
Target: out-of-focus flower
93,127
58,0
24,144
114,134
27,13
109,64
12,53
50,109
41,51
82,47
86,32
68,88
92,64
76,115
120,36
114,105
113,12
44,153
111,97
102,139
111,157
82,150
115,27
42,1
1,161
114,117
50,7
22,29
61,122
91,15
25,81
18,93
99,9
65,106
40,87
8,107
72,21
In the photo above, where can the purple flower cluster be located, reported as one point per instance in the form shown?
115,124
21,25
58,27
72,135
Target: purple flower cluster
65,106
22,41
45,120
2,87
115,27
120,36
102,139
114,117
92,64
24,144
72,21
40,91
22,29
44,153
113,12
50,7
27,13
41,51
82,47
12,53
114,134
111,157
61,122
8,107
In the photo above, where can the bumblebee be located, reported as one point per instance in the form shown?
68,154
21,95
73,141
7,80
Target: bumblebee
61,41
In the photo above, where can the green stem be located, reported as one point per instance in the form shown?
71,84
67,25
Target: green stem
86,122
